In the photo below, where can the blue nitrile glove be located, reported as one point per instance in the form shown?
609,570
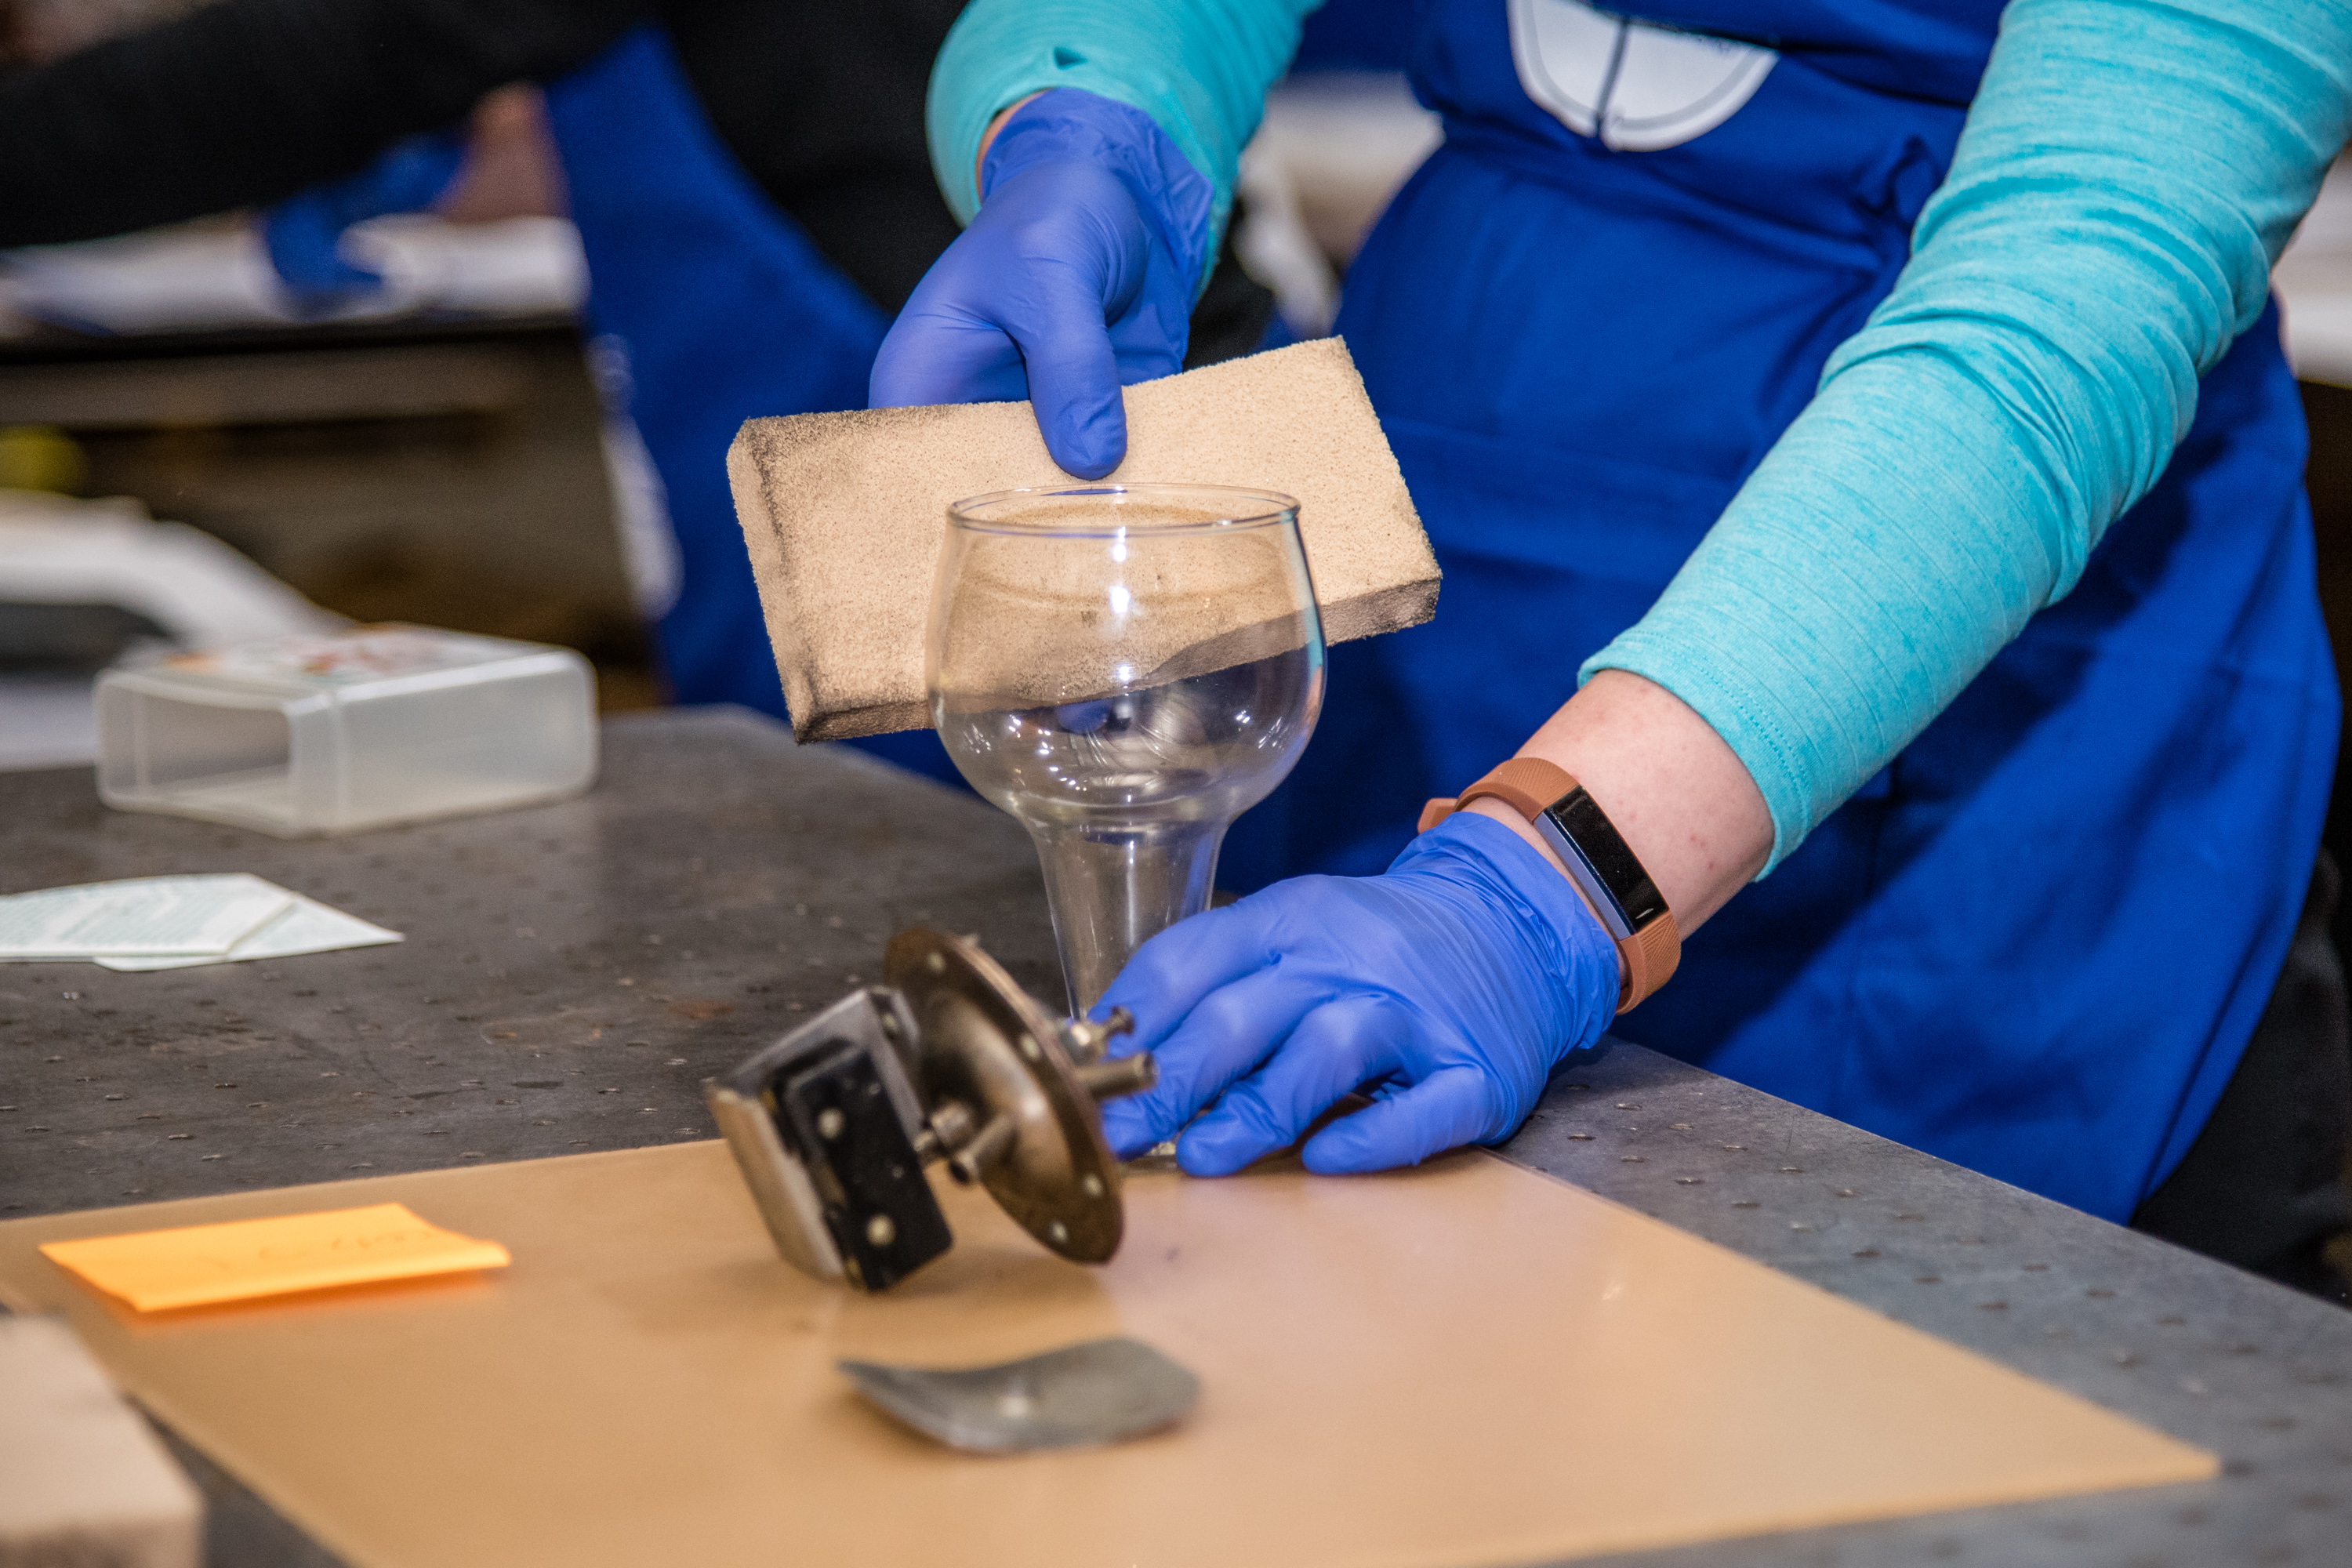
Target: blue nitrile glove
1077,276
1454,983
303,232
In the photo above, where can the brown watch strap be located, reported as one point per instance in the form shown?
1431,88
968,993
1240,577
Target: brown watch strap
1646,960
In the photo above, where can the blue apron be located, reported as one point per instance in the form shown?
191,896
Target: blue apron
726,311
2035,945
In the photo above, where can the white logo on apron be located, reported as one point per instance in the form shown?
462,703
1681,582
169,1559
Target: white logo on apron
1638,87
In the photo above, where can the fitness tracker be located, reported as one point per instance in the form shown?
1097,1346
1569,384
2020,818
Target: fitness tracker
1598,860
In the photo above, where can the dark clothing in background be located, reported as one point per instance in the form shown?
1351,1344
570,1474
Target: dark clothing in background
246,102
822,105
2264,1187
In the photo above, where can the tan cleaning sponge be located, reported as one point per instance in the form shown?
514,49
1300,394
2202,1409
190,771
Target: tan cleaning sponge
844,513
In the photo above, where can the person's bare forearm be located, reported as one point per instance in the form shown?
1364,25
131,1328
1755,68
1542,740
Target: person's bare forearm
1676,793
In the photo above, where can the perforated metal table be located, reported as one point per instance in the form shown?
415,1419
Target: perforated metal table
574,972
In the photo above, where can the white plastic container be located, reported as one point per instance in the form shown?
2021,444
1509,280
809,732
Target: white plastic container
332,735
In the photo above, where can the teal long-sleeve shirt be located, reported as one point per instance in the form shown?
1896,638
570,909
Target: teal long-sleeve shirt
2129,171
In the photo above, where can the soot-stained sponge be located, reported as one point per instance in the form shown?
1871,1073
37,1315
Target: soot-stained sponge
844,513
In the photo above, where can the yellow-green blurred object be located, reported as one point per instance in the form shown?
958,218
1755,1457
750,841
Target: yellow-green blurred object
41,457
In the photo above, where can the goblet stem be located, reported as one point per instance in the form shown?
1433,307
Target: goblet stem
1114,889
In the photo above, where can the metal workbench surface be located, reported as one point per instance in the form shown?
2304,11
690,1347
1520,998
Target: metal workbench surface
572,973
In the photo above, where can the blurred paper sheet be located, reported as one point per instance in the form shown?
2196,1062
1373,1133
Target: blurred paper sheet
305,926
176,923
140,917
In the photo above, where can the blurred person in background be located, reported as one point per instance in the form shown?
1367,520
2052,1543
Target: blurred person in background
750,180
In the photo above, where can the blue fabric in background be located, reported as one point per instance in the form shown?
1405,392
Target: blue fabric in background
1357,36
728,312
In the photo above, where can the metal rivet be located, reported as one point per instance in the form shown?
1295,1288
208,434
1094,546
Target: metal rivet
1059,1232
1029,1047
1091,1184
936,963
881,1231
830,1121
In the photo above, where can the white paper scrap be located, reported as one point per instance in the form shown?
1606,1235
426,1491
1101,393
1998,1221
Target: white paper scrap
202,915
308,926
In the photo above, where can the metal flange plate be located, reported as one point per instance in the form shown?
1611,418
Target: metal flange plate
987,1045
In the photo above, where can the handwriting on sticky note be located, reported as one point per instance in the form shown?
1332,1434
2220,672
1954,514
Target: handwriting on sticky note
203,1264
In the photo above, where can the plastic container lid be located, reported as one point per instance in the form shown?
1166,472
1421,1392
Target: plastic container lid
332,735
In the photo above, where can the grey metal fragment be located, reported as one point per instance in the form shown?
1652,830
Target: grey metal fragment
1083,1395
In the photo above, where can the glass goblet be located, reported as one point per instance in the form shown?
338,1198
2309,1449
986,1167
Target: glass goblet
1125,669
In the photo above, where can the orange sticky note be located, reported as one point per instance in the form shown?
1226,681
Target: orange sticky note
202,1263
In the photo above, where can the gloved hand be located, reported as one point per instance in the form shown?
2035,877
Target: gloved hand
1454,983
304,232
1077,276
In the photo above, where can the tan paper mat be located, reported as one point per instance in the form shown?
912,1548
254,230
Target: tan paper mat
843,514
1463,1364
